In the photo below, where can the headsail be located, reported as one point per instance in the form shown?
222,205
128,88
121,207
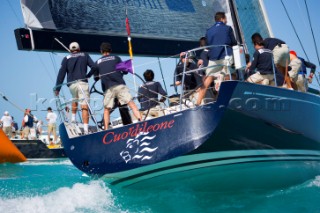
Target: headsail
160,27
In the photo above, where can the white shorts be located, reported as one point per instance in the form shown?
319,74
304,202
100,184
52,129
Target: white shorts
301,83
281,55
219,66
257,78
80,91
121,92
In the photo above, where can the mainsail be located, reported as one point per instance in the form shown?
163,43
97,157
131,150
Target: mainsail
158,27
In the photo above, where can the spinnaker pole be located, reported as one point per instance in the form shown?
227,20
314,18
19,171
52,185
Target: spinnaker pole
64,46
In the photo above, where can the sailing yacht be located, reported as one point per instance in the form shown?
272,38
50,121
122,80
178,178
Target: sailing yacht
250,136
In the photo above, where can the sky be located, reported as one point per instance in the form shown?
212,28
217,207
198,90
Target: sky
27,78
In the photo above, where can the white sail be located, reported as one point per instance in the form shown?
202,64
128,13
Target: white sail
37,14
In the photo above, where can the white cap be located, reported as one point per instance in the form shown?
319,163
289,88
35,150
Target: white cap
74,46
6,113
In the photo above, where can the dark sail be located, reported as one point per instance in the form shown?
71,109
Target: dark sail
158,27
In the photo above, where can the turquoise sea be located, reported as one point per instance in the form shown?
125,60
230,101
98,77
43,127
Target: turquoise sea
57,186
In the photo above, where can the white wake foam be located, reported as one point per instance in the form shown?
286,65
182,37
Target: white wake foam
46,162
92,197
315,182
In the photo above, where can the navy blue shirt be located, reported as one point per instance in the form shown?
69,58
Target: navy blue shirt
75,66
191,80
148,94
106,67
220,34
15,125
271,43
205,57
262,62
29,123
306,64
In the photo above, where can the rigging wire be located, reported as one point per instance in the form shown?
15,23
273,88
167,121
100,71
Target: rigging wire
55,69
15,105
37,53
165,86
14,12
295,31
299,37
46,69
314,40
301,13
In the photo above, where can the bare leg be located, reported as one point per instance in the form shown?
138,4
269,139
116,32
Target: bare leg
135,110
207,81
49,133
74,107
55,136
106,118
85,118
284,71
85,114
285,75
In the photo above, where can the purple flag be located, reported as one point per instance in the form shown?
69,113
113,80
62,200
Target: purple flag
125,66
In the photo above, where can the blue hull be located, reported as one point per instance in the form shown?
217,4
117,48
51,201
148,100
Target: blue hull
142,143
249,127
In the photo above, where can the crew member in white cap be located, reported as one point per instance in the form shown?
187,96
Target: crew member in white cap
6,121
75,67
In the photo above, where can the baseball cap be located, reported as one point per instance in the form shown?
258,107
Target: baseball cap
74,46
6,113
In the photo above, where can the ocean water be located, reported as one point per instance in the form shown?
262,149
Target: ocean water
57,186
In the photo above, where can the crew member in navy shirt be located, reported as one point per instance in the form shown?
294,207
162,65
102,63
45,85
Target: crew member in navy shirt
280,52
304,66
113,83
148,94
192,80
219,34
27,123
262,65
75,67
203,57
